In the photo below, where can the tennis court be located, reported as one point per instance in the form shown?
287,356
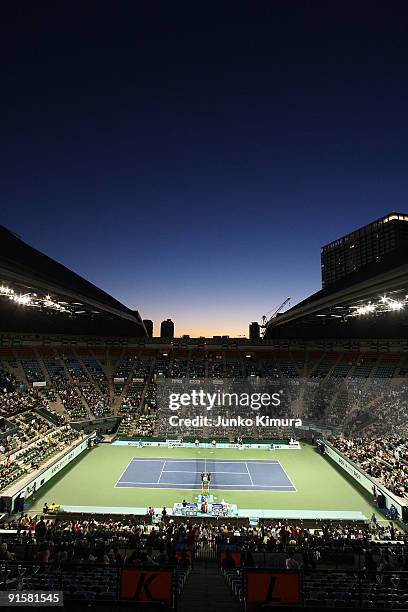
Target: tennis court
161,473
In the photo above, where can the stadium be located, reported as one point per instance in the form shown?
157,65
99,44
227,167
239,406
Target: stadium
107,500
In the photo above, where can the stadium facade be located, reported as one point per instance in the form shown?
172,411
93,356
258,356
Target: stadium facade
367,245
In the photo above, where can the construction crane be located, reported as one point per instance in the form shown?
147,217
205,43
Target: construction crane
265,319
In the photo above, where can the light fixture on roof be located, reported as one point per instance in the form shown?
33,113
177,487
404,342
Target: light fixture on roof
6,290
396,305
366,309
32,299
24,300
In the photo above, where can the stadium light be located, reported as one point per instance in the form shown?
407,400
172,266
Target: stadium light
6,290
384,304
367,309
32,299
25,299
396,305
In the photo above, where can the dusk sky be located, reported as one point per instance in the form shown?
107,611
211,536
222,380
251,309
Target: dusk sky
192,158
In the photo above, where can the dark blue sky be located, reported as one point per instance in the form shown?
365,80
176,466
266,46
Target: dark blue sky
191,159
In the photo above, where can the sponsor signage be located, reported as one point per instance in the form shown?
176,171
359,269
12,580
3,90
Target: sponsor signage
147,586
266,588
365,481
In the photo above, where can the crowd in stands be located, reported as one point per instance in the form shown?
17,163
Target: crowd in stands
96,373
28,441
72,401
82,386
82,556
16,401
92,541
385,459
272,536
49,394
98,404
7,380
142,426
130,402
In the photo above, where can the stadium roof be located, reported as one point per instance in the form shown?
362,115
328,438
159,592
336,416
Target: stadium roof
31,278
370,302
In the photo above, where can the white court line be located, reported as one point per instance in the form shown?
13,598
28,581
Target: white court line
287,476
249,474
161,472
190,472
195,484
271,488
199,460
145,459
266,462
172,484
256,461
124,471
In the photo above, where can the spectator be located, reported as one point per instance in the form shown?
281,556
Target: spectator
41,530
291,563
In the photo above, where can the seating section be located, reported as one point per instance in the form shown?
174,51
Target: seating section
179,367
321,364
80,380
71,398
17,401
216,368
130,402
196,367
385,459
341,564
343,367
364,366
233,368
76,371
96,372
7,380
28,442
341,590
55,369
387,367
83,558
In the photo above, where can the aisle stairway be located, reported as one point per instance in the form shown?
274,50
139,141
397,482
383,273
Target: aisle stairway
206,589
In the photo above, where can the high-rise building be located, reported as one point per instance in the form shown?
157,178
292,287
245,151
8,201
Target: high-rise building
149,327
364,246
167,329
254,330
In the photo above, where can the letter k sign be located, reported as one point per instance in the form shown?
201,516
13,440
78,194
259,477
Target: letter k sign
142,591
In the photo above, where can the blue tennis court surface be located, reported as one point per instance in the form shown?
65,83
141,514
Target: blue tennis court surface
252,475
